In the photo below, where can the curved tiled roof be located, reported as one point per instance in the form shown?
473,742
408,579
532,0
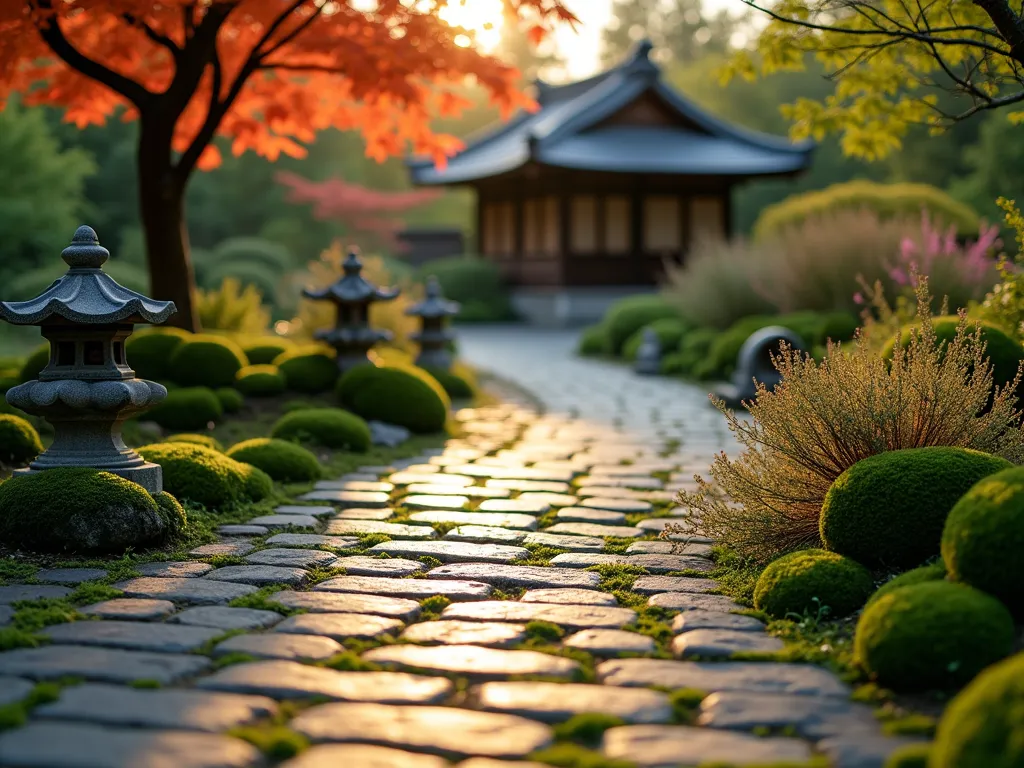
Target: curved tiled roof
568,132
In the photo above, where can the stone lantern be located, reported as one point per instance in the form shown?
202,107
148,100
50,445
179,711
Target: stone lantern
86,391
352,296
433,337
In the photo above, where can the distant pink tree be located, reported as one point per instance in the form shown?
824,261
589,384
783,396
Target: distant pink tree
373,217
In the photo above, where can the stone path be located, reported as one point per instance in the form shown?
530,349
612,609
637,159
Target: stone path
470,629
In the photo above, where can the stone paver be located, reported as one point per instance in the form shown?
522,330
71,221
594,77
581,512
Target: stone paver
572,543
134,635
610,642
311,510
397,567
469,491
813,717
652,563
196,591
723,643
129,609
429,502
593,529
228,548
313,540
755,677
568,596
259,575
15,593
486,534
13,689
364,514
285,521
517,575
520,505
340,626
693,620
291,558
242,530
368,499
652,585
6,615
515,521
365,756
491,634
339,602
186,569
416,589
398,530
280,646
556,702
473,661
667,746
69,575
570,616
452,551
225,618
100,664
686,601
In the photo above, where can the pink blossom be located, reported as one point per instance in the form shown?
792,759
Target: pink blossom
898,276
858,298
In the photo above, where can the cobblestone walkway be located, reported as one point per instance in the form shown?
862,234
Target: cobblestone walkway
458,609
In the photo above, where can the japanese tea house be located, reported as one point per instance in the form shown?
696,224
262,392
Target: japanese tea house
583,200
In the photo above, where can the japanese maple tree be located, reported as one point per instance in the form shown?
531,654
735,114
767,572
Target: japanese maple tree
266,74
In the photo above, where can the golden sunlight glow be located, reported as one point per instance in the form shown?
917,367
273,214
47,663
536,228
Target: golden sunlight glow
483,18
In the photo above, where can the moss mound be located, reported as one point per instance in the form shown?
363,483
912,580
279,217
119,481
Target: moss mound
983,541
329,427
889,509
936,635
627,316
593,341
284,461
669,330
231,400
932,572
188,437
802,582
910,756
188,408
19,441
982,727
456,387
261,381
406,396
76,509
266,351
149,352
204,476
171,511
34,363
309,369
207,360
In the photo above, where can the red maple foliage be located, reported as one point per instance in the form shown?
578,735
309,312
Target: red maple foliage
266,74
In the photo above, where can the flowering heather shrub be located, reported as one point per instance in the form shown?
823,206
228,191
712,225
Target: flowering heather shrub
1004,304
824,417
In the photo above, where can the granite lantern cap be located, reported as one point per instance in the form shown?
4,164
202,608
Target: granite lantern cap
435,304
352,288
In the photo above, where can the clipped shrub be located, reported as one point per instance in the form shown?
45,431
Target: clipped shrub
231,400
932,572
886,200
309,369
839,326
806,581
981,727
207,360
187,408
475,283
936,635
172,513
593,341
284,461
260,381
34,363
207,440
406,396
627,316
890,509
984,537
454,385
205,476
329,427
670,332
77,509
19,441
910,756
264,351
149,352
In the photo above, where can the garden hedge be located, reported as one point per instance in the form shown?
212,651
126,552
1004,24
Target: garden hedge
983,541
284,461
205,476
627,316
188,408
261,381
19,441
149,352
309,369
406,396
932,572
329,427
982,725
889,509
669,330
803,582
936,635
207,360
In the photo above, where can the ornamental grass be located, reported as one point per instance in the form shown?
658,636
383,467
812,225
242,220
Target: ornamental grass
825,416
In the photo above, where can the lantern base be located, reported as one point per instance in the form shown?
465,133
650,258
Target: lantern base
149,476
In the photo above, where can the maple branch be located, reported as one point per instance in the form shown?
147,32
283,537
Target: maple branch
293,34
53,36
152,34
200,51
188,22
187,162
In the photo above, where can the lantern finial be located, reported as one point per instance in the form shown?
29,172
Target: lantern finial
85,251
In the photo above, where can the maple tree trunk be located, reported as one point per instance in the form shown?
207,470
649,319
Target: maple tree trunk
162,205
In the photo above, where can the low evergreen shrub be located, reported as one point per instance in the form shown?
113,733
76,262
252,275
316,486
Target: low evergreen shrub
910,756
670,332
806,581
188,408
284,461
329,427
207,360
454,385
34,363
627,316
19,441
594,341
265,350
260,381
231,400
406,396
932,572
309,369
149,352
187,437
475,283
206,477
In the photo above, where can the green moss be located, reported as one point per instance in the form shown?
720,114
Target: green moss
260,381
594,342
982,726
263,600
19,441
544,631
329,427
349,661
188,408
627,316
910,756
454,385
76,509
145,684
685,703
16,714
932,635
35,362
308,369
932,572
811,580
12,570
186,437
406,396
275,741
264,351
231,400
616,577
205,477
669,330
285,462
431,607
586,728
984,538
575,756
909,725
230,659
206,360
12,637
149,352
889,509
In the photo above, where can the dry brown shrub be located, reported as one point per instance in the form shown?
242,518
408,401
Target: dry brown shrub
824,417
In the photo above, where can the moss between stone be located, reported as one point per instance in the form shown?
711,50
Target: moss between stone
575,756
19,441
277,742
285,462
16,714
587,728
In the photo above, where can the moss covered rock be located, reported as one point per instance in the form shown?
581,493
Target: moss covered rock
936,635
187,408
76,509
983,727
889,509
456,387
260,381
207,360
803,582
190,437
284,461
983,541
932,572
34,363
19,441
406,396
669,330
266,351
149,352
231,400
206,477
329,427
309,369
